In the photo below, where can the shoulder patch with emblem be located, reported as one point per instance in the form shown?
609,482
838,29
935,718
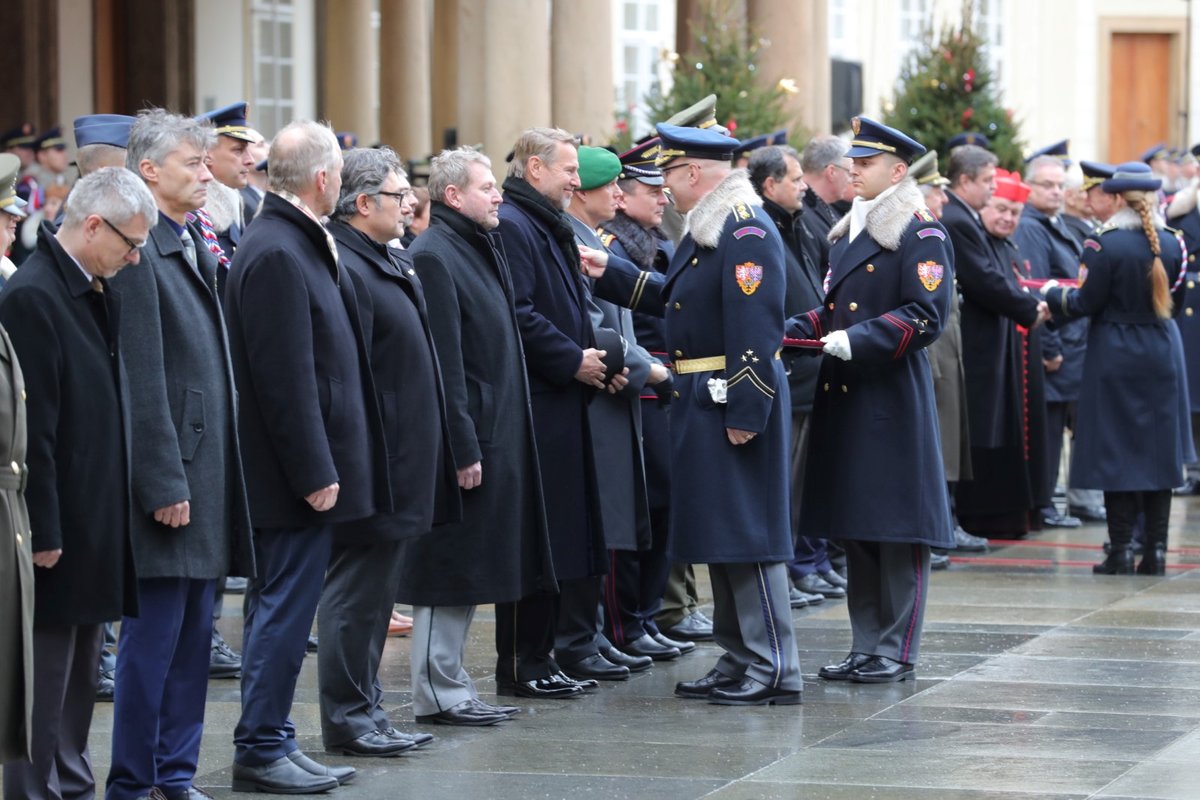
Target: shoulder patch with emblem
742,211
749,230
749,276
925,233
924,215
607,239
931,274
1092,244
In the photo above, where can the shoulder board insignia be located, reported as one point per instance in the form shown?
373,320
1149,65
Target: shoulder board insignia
1105,228
607,239
742,211
750,230
1092,244
924,215
925,233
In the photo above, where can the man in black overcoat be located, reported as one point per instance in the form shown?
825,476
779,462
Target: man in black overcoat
312,440
64,320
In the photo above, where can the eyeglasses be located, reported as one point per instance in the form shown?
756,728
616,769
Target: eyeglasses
842,167
400,196
665,170
132,244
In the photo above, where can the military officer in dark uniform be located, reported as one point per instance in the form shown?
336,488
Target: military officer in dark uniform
874,425
730,416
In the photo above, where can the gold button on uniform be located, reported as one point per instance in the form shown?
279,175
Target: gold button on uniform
831,306
16,468
854,306
1191,284
695,261
1191,257
678,306
844,389
1188,311
870,267
827,387
675,393
679,354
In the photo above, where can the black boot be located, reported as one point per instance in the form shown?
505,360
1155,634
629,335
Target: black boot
1122,514
1157,507
1119,561
1154,561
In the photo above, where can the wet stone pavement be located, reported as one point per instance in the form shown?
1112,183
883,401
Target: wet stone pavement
1037,680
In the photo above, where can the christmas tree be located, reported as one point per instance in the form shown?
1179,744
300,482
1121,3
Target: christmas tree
946,88
723,63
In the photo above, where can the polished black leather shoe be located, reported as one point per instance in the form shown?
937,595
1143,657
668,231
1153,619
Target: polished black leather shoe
548,688
834,579
223,661
969,543
417,738
1119,561
682,647
339,774
939,561
311,645
281,776
586,684
1089,513
841,671
507,711
644,645
374,744
632,663
881,669
1055,519
815,584
105,687
596,667
464,714
190,793
692,628
700,688
752,693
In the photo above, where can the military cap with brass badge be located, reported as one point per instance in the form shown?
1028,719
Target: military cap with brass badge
231,121
872,138
10,166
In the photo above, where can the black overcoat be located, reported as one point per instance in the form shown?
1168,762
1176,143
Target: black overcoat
420,465
500,551
67,338
308,415
551,306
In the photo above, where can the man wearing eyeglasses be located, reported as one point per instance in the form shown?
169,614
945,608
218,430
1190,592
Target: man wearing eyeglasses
190,523
63,318
827,175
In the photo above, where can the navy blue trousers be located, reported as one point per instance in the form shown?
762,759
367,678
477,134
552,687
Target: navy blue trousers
161,686
280,606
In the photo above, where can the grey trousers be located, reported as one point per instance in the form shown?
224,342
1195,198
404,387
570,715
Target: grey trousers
889,582
66,665
752,622
352,624
439,644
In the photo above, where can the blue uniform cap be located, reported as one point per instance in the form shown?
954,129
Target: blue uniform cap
638,162
20,136
970,137
347,140
752,144
1057,150
1095,173
1157,151
1132,176
110,129
872,138
231,121
51,139
10,166
705,143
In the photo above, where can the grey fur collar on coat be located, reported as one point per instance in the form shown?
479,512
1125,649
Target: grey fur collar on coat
1183,201
706,221
1129,220
224,205
888,220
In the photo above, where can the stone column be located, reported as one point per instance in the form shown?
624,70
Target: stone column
515,75
350,83
405,104
799,36
581,67
443,81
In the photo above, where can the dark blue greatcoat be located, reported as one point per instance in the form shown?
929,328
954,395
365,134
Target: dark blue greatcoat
1127,434
874,470
552,313
1189,320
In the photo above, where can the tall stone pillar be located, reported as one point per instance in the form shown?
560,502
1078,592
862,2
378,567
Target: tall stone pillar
405,104
799,36
350,85
443,81
581,68
516,73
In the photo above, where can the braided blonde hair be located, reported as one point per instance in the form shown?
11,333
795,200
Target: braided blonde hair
1160,292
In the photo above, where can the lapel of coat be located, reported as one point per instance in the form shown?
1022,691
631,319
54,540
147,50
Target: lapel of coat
550,244
682,259
845,257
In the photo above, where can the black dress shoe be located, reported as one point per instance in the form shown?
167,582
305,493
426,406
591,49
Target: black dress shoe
841,672
1054,519
682,647
1089,513
881,669
281,776
507,711
549,688
692,628
815,584
644,645
968,543
105,688
596,667
417,739
374,744
311,645
339,774
939,561
190,793
586,684
633,663
834,579
752,693
464,714
1119,561
700,688
223,661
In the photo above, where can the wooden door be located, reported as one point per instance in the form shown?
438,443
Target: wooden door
1140,88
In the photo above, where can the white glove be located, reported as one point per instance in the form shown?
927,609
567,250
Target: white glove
837,344
1047,286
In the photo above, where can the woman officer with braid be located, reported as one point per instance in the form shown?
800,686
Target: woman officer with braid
1128,442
